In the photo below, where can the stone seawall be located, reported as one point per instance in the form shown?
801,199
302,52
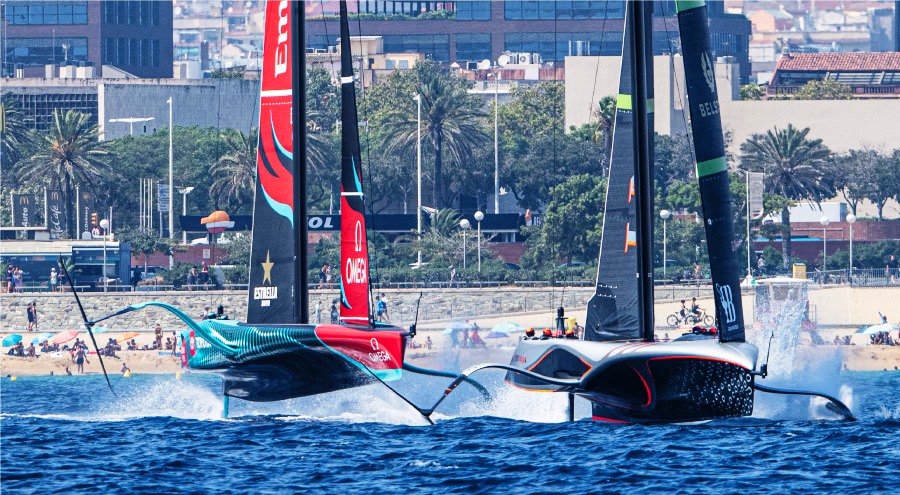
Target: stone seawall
59,311
837,306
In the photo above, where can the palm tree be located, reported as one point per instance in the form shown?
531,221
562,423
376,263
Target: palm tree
13,132
451,120
234,173
605,113
68,153
796,168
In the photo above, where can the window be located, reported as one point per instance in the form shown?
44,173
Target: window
473,11
546,9
436,47
390,64
473,47
46,12
39,51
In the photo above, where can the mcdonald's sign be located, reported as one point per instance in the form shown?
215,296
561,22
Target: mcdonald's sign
24,207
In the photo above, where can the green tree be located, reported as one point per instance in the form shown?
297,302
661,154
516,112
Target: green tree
796,167
572,222
868,174
605,113
824,90
752,92
228,73
69,154
452,121
13,131
235,172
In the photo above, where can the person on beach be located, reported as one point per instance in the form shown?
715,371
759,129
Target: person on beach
204,275
10,271
31,351
334,313
322,276
81,358
379,309
317,312
384,314
32,316
220,313
125,369
191,278
54,280
157,332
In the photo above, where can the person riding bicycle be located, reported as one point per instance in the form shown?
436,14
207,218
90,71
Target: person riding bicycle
695,309
684,311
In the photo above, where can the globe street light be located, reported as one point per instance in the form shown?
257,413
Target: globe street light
824,221
851,219
479,216
464,223
664,214
104,224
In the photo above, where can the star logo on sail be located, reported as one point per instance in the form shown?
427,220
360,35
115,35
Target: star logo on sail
267,269
266,293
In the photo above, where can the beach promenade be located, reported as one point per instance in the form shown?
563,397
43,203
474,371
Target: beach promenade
838,311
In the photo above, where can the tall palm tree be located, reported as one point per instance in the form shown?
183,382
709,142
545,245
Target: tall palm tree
451,120
66,154
605,113
796,168
13,131
234,173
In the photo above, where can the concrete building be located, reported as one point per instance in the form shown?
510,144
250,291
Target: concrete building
841,124
219,103
135,36
483,30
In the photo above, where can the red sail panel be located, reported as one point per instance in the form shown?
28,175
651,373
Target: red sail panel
272,259
354,246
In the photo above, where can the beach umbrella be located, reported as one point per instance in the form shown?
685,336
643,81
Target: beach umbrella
42,338
12,340
884,327
456,326
507,327
99,329
496,335
127,336
64,336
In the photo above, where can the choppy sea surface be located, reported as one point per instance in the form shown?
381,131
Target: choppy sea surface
165,434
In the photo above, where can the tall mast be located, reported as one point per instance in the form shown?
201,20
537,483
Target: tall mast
642,74
301,291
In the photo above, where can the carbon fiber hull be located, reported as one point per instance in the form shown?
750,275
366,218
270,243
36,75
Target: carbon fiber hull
277,362
645,382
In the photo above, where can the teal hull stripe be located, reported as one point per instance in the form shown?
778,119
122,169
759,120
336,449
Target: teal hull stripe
710,167
683,5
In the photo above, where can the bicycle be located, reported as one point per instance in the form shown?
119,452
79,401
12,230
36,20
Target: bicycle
676,319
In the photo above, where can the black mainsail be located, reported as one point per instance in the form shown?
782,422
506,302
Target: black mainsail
712,174
617,309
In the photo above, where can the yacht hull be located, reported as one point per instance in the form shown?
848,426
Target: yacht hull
645,382
278,362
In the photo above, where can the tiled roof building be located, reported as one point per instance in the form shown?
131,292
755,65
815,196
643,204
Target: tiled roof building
869,74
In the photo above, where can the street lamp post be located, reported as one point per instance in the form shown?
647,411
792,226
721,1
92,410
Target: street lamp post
419,175
104,224
851,219
479,216
824,221
184,192
171,187
664,214
464,223
496,143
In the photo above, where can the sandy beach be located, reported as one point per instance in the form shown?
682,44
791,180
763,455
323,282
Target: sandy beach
853,357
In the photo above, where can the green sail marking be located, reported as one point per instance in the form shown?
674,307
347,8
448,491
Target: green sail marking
682,5
710,167
623,102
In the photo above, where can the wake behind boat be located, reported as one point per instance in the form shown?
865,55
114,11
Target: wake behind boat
277,354
617,364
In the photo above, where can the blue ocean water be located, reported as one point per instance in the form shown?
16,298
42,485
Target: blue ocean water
163,434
